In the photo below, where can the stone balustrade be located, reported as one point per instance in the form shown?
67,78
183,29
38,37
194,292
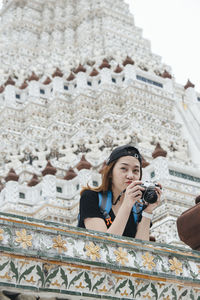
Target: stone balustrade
55,260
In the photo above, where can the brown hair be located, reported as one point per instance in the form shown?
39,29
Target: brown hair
106,179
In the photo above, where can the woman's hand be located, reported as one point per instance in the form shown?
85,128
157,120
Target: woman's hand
151,207
133,193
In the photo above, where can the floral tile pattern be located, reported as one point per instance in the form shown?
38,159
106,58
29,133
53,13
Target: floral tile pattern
54,257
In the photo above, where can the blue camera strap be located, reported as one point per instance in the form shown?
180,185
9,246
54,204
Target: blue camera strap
137,209
105,205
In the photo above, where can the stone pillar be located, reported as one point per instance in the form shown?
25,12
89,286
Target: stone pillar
190,94
34,89
81,80
105,76
11,192
10,95
49,187
161,169
130,73
169,85
58,84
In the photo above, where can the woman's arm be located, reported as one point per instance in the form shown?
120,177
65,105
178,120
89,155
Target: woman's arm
144,225
133,193
118,225
143,229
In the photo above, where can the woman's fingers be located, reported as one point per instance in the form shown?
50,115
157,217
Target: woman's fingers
133,193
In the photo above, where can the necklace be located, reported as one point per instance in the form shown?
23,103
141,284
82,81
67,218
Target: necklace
118,198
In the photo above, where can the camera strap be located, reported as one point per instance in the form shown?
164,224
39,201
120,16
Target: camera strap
105,205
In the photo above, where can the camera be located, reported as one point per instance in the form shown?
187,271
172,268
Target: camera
149,194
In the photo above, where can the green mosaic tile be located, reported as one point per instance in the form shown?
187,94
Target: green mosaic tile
71,293
92,295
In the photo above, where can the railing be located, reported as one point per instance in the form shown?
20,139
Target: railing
53,259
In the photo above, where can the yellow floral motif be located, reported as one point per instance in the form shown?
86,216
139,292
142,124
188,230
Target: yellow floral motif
6,276
124,293
31,280
139,281
71,270
119,278
56,283
147,296
23,239
104,289
121,256
96,274
1,232
48,267
148,261
166,298
24,262
92,251
59,244
161,284
80,286
176,266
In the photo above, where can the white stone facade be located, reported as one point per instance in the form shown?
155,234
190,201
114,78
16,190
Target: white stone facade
67,89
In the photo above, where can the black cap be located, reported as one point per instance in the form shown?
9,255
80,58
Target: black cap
126,150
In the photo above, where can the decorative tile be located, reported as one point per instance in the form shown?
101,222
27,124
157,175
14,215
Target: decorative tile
53,258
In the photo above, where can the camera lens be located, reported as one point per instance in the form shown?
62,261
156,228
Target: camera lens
150,195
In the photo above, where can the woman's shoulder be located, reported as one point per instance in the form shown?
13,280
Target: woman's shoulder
88,192
89,197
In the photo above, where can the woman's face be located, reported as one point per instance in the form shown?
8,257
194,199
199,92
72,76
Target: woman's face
126,170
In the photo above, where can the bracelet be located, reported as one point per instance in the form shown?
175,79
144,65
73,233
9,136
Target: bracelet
147,215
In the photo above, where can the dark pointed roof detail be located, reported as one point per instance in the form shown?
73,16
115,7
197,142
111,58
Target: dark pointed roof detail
70,77
24,85
128,61
159,151
2,88
12,176
47,81
104,64
80,69
189,84
1,186
166,74
33,77
83,164
118,69
70,174
9,81
57,73
34,181
49,170
94,73
144,163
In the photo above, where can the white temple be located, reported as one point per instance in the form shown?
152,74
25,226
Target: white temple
77,79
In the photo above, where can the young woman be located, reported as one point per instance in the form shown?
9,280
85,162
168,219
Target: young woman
122,176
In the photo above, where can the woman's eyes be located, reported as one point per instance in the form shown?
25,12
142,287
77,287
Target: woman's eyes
124,169
134,171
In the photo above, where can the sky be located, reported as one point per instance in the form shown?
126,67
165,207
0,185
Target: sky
172,26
